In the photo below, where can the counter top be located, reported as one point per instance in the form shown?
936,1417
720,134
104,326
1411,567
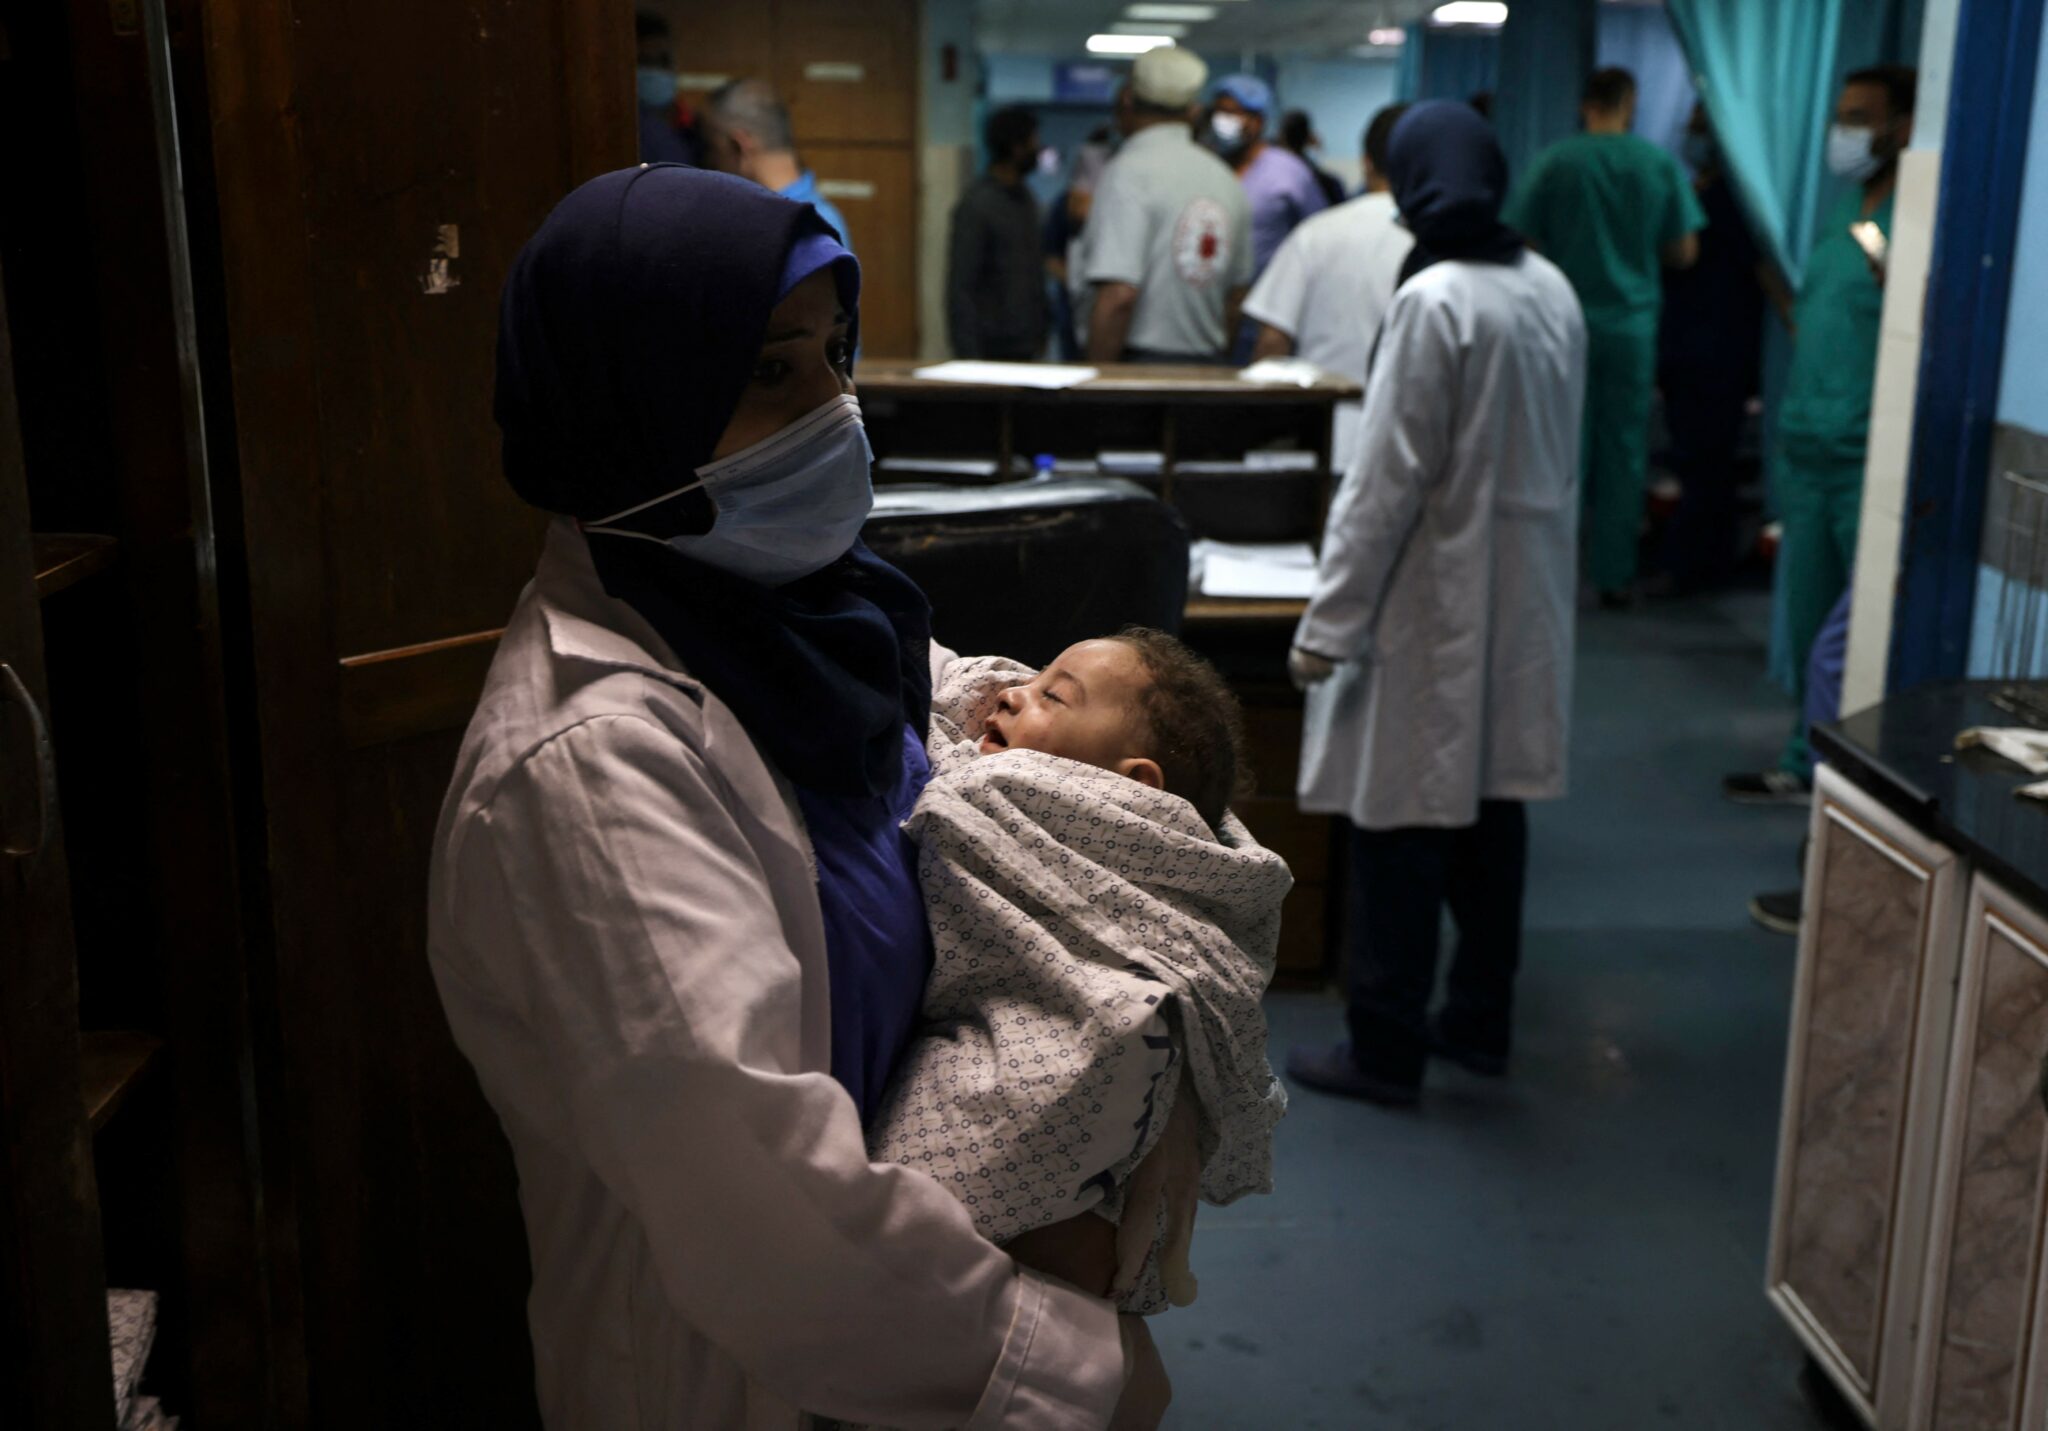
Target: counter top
1903,751
1122,381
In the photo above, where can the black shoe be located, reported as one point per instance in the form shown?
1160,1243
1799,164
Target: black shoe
1473,1060
1778,911
1334,1070
1767,787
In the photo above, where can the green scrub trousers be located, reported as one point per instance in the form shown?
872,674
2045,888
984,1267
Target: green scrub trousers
1820,500
1621,373
1823,430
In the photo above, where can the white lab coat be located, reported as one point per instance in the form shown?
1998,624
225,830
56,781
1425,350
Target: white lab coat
625,931
1449,563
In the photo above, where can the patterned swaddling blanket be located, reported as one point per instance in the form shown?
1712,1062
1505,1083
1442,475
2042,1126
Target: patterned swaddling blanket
1093,941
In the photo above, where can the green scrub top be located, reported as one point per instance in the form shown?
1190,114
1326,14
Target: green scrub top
1601,207
1825,413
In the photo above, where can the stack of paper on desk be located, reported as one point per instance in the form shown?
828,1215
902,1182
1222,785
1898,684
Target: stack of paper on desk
1270,571
1006,375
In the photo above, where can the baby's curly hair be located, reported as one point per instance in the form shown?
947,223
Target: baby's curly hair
1197,723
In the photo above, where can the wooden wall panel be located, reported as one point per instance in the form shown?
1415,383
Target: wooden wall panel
875,187
344,137
848,72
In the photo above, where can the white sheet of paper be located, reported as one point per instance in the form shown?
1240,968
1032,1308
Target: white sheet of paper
1011,375
1284,372
1274,571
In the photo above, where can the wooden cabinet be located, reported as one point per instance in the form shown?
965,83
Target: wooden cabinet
849,75
1983,1360
54,1361
875,188
1869,1044
256,357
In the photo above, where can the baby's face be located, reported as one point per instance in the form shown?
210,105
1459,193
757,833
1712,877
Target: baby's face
1085,706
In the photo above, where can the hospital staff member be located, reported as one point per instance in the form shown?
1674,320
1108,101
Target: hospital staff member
1824,416
748,133
1168,251
1609,208
672,919
1437,648
1322,296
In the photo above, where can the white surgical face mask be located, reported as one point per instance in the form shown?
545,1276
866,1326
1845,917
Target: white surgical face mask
1851,151
1228,129
656,85
790,505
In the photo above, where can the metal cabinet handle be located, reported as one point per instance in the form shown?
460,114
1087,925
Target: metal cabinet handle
11,689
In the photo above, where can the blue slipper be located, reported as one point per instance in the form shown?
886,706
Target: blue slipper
1334,1070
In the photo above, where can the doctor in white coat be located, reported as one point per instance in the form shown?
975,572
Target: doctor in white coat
1437,649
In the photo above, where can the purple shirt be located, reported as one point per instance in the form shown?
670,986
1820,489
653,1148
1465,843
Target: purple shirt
1283,191
878,946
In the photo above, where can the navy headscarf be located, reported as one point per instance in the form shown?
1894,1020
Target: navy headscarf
1450,180
627,335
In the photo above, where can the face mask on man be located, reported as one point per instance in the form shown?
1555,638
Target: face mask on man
656,85
1227,131
790,505
1698,151
1852,152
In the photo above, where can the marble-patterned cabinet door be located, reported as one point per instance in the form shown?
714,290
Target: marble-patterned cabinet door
1872,1007
1983,1366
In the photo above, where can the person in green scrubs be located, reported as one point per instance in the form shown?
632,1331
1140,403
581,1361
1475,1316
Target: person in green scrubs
1824,416
1612,210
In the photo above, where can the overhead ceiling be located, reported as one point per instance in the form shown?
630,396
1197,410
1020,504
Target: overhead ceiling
1334,27
1062,27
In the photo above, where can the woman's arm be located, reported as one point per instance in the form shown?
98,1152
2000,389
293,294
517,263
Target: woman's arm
635,933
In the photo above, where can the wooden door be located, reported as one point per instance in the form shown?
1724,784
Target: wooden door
1869,1044
55,1368
848,72
875,187
370,168
849,75
1982,1342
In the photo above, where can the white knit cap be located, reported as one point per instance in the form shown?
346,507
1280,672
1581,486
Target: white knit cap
1168,77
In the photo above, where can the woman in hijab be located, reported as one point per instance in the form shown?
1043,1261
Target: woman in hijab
1437,649
674,924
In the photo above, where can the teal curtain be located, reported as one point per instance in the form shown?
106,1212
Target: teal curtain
1546,51
1769,74
1448,64
1408,85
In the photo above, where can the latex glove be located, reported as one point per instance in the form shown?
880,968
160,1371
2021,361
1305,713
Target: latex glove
1147,1392
1166,1187
1306,668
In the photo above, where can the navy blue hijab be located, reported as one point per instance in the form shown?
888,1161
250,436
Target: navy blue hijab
627,335
1450,180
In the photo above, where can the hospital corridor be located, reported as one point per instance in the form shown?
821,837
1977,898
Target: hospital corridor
1024,715
1579,1247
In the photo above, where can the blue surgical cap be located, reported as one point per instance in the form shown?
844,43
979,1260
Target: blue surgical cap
1248,90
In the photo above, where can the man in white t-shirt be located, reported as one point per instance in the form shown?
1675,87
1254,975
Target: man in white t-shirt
1322,295
1169,237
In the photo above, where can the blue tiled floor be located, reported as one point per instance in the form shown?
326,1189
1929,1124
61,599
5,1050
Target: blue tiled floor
1582,1245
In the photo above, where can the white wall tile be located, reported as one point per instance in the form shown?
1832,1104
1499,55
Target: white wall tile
1911,249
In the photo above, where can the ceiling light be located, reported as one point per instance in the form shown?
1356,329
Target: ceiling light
1192,13
1126,44
1393,37
1149,27
1470,12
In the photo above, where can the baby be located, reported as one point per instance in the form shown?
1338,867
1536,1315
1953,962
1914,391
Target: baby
1140,704
1103,929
